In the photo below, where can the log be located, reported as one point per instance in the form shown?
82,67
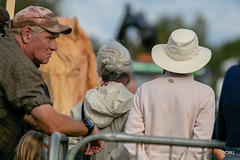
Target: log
10,7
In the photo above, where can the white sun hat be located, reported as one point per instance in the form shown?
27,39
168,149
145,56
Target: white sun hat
181,54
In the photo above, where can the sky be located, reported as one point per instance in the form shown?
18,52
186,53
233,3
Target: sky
102,18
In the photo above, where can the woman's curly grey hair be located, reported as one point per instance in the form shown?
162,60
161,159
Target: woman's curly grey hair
113,61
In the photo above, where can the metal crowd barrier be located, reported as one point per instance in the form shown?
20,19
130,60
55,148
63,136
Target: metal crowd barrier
119,137
55,147
56,153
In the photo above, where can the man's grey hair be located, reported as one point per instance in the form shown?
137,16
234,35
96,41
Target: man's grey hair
36,30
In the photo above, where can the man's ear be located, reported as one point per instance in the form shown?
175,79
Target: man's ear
26,33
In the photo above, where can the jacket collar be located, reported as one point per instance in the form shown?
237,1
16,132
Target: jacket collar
171,74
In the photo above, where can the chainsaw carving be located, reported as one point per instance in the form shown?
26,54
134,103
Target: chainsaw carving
71,70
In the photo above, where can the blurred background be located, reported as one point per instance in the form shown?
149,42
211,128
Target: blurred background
140,24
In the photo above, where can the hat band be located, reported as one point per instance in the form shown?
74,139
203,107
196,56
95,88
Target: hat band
182,52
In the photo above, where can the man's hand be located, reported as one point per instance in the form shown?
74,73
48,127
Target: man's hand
29,119
95,146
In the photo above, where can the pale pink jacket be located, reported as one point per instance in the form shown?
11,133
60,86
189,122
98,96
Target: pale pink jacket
173,105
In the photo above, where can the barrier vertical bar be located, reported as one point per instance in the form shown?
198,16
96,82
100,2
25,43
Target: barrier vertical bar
54,146
202,154
137,151
170,152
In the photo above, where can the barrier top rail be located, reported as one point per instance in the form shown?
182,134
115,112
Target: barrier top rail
120,137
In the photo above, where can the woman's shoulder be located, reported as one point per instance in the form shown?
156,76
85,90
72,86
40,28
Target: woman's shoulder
75,112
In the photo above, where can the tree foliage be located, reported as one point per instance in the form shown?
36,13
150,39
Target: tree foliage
226,51
166,25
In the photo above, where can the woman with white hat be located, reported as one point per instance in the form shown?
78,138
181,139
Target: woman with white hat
174,105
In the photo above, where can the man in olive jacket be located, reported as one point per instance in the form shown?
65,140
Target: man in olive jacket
29,42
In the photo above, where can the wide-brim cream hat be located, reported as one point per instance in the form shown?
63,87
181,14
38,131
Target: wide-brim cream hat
181,54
